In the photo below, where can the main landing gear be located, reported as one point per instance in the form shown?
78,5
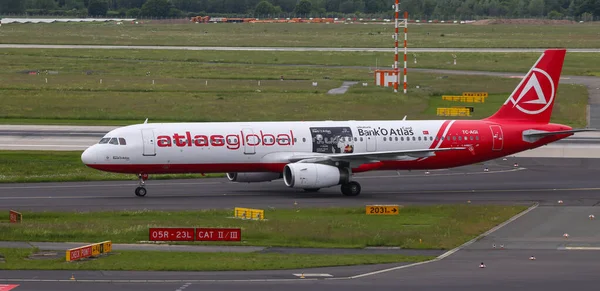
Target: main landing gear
351,188
140,191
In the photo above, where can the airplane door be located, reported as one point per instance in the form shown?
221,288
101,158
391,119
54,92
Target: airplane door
149,144
250,142
371,143
497,137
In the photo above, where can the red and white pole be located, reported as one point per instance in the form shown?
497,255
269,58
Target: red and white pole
405,50
396,70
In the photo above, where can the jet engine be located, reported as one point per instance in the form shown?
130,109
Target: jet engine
253,177
314,176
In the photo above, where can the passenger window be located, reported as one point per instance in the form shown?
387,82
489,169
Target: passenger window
361,139
419,138
113,141
476,137
396,138
122,141
384,138
414,138
460,138
471,137
431,138
454,138
104,140
304,139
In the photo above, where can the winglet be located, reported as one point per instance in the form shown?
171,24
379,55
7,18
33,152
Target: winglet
146,121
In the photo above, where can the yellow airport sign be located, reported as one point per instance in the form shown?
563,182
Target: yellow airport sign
453,111
249,213
88,251
382,210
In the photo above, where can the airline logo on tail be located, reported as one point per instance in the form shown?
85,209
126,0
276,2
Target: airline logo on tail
534,97
537,94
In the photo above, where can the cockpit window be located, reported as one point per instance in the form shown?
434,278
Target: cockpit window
113,141
122,141
104,140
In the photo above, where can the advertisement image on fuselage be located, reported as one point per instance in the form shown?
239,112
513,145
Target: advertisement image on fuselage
332,139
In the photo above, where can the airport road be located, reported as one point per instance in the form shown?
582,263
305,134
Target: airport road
290,49
543,180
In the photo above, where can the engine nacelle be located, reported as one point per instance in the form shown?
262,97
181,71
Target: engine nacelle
253,177
310,175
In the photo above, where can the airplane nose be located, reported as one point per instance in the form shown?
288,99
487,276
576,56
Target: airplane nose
88,156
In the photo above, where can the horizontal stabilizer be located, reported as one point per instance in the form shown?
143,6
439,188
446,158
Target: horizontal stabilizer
534,135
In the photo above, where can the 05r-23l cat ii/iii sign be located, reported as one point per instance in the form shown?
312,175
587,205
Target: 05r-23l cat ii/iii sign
321,154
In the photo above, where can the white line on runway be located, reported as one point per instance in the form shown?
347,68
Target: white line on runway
105,185
313,275
580,248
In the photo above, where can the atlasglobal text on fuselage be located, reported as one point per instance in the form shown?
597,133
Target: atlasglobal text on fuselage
311,155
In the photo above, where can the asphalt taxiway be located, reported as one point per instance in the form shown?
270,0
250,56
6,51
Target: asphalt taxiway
541,180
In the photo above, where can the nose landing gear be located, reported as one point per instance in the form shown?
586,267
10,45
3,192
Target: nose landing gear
140,191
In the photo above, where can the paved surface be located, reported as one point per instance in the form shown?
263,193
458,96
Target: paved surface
296,49
536,179
343,89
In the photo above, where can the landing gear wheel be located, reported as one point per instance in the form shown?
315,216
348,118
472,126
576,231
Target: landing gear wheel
312,189
140,191
351,189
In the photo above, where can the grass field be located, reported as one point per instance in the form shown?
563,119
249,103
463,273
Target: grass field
439,227
18,259
304,35
78,60
187,91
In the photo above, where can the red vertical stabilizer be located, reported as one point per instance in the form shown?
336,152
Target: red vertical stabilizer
533,99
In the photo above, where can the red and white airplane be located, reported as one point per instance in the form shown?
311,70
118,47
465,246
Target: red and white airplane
321,154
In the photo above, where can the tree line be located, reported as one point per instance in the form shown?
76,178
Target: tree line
418,9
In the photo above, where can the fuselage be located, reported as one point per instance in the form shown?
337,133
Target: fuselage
263,146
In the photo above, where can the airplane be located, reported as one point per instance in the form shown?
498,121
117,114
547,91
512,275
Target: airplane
311,155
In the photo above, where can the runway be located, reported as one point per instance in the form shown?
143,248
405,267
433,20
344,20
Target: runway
292,49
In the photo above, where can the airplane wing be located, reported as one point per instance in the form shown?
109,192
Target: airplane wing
368,156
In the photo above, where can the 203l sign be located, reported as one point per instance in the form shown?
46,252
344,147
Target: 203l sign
382,210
